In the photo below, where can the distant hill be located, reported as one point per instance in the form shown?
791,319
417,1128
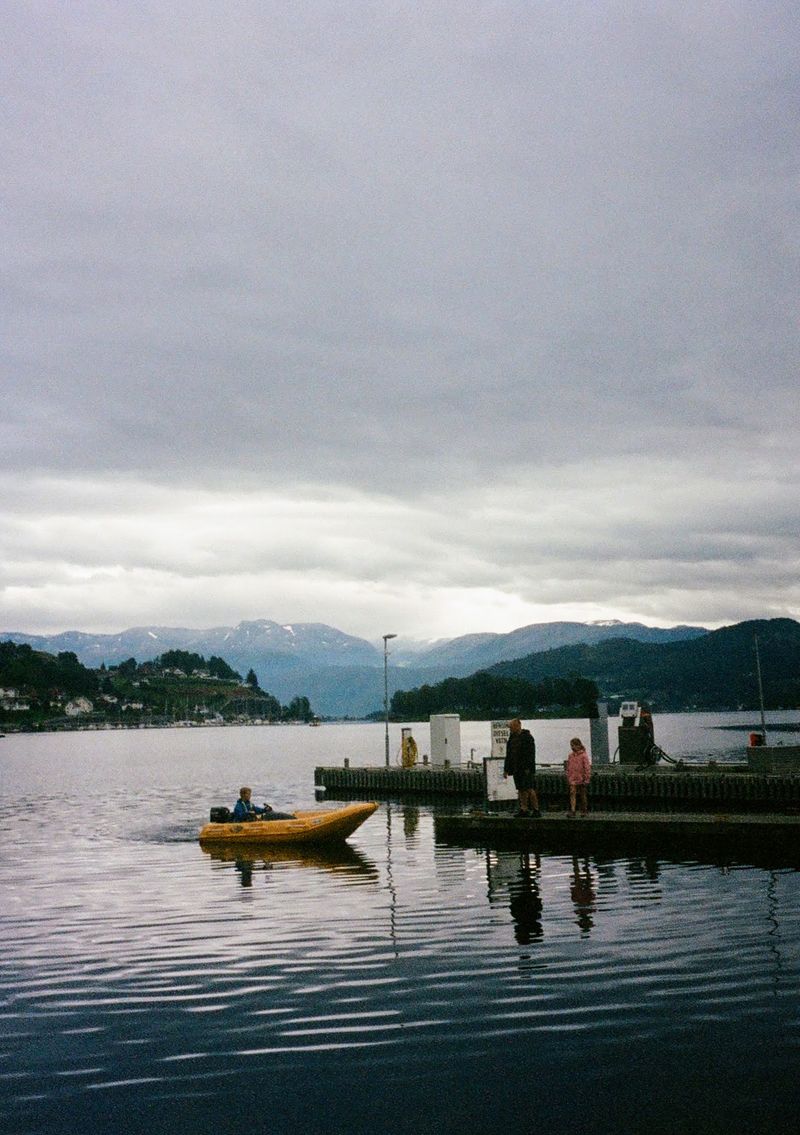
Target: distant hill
341,674
715,672
261,639
42,690
464,655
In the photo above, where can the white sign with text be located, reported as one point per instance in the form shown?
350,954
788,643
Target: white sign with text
498,788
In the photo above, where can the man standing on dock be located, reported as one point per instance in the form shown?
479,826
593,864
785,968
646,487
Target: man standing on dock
521,764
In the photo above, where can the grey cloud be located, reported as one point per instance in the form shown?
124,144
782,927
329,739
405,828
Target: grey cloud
557,534
413,254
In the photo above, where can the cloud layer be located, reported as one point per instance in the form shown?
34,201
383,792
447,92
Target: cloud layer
454,316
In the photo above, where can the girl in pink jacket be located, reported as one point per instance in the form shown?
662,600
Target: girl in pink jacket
578,768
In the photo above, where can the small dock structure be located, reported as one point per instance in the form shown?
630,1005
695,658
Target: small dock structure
769,837
464,781
766,781
613,788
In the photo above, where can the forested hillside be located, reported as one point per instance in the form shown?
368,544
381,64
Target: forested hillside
715,672
485,696
38,689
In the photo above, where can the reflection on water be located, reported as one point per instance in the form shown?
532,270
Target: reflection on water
526,902
392,984
583,893
247,858
410,820
516,877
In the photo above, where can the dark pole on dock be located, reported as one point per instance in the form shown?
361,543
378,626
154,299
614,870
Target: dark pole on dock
760,689
386,638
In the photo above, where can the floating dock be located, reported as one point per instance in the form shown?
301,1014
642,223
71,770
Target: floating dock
768,838
613,788
381,782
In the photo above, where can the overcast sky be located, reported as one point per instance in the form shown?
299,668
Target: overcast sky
428,318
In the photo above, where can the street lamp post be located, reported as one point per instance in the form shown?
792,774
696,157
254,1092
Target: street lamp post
386,638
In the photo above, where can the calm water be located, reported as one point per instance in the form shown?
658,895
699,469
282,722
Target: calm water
391,986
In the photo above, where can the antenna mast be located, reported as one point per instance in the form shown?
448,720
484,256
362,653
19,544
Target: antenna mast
760,689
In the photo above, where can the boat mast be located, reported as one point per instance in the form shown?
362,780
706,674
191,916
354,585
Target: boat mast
760,689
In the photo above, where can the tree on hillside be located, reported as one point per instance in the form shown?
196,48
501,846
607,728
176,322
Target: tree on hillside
251,679
39,674
188,662
486,695
219,668
298,709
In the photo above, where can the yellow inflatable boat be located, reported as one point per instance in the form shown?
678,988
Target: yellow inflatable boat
303,827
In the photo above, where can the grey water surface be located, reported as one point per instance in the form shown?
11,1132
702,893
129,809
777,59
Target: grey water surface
389,985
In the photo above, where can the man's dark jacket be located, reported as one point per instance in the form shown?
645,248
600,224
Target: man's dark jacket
520,753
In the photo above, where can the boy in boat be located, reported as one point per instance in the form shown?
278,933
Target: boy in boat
245,809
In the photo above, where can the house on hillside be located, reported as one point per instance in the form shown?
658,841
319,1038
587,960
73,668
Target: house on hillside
78,707
12,700
16,706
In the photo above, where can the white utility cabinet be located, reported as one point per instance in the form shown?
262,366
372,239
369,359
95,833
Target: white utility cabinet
445,739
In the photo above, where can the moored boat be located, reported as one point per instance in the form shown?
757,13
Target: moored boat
318,826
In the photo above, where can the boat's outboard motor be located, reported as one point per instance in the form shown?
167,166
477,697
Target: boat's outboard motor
220,815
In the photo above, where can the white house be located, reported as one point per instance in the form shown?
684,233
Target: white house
78,706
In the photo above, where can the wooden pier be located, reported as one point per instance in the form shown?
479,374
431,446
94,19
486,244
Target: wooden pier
613,788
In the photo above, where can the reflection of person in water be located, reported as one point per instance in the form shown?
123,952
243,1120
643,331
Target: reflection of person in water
583,894
647,867
245,869
410,820
526,902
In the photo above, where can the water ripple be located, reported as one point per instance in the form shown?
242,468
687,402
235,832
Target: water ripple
142,971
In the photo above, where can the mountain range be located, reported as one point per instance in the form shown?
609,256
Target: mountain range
342,675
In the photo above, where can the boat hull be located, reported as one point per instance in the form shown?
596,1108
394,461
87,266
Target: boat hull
327,826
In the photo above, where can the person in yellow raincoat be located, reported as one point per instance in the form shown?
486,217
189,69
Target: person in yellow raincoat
408,755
